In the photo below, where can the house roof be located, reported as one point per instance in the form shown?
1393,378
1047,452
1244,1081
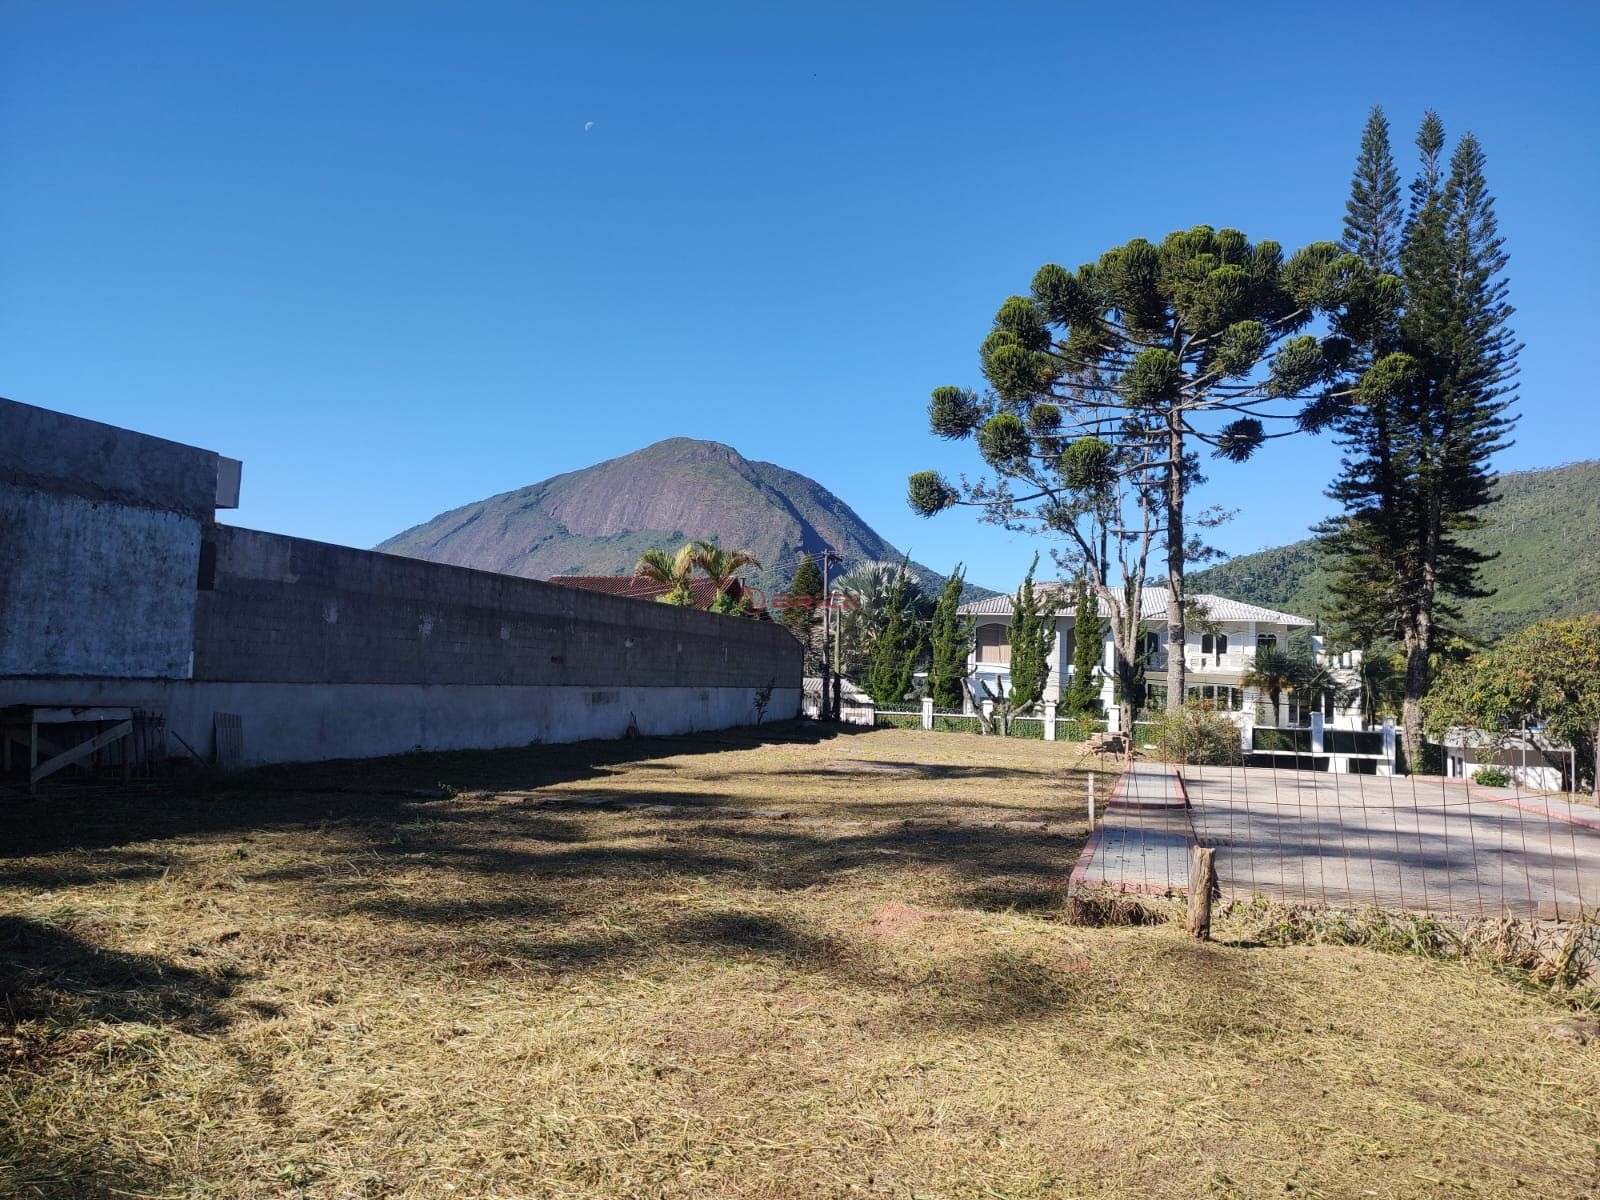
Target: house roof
811,686
640,587
1153,606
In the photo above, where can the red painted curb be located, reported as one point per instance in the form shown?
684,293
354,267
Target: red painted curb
1086,856
1525,805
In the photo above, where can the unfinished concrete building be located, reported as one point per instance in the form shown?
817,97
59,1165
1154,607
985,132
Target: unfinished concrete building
122,599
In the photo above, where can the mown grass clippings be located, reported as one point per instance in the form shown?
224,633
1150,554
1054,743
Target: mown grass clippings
407,995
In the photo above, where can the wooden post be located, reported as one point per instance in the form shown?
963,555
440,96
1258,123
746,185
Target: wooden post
1202,879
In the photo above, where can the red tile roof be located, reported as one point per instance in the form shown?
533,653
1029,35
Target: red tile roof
641,587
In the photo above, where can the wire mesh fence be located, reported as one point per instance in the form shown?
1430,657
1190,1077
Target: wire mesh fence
1349,841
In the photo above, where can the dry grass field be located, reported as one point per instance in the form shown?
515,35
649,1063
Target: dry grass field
461,976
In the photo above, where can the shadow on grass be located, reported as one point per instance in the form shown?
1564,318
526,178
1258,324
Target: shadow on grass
51,974
92,817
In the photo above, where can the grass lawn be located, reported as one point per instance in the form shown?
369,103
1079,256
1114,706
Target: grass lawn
349,981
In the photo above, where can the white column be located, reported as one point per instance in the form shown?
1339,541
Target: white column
1316,732
927,712
1388,746
988,709
1049,720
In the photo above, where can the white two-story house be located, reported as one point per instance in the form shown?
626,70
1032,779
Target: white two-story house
1223,636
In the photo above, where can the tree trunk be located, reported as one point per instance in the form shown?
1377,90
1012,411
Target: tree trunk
1175,554
1411,707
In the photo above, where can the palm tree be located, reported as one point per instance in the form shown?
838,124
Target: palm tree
1382,686
867,590
673,570
721,566
1274,673
1323,687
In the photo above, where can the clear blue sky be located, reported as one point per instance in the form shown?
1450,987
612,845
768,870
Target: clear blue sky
371,250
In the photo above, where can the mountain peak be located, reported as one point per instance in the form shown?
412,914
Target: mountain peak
598,520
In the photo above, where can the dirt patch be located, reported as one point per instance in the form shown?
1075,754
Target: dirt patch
897,920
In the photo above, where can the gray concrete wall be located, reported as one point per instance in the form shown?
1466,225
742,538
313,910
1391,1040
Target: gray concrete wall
53,452
120,590
99,541
94,587
288,610
297,722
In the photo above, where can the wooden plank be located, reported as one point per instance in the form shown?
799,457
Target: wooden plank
63,716
79,752
1202,880
228,730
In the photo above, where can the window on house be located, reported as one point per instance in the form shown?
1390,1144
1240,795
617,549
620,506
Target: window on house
1214,643
1222,643
1149,644
1155,697
1218,696
1266,641
994,644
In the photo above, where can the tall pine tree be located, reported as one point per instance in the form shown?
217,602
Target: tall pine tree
951,643
1439,361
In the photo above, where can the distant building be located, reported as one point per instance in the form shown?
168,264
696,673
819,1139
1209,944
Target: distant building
1223,637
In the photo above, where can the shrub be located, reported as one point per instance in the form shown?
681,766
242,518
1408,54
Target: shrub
1198,736
1492,777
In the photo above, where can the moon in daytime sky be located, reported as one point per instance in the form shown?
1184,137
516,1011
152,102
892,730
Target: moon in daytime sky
588,125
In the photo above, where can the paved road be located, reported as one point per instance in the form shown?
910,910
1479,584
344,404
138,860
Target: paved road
1421,846
1347,841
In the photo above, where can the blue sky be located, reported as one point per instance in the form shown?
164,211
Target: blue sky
371,249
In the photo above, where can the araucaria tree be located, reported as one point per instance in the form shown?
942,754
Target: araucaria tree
1088,642
950,645
1435,361
1033,636
1106,382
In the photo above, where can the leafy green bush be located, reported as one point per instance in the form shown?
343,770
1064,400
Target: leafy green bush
1492,777
898,720
1198,736
1078,729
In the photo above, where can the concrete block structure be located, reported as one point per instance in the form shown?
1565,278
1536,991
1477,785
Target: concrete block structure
120,589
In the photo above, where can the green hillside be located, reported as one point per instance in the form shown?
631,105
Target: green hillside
1544,532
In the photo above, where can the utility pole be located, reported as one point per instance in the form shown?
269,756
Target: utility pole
825,709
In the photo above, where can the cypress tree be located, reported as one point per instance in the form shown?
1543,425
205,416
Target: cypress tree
951,643
896,650
799,616
1438,379
1089,635
1033,631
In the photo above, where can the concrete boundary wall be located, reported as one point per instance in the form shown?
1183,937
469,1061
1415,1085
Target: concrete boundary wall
288,610
119,590
289,722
